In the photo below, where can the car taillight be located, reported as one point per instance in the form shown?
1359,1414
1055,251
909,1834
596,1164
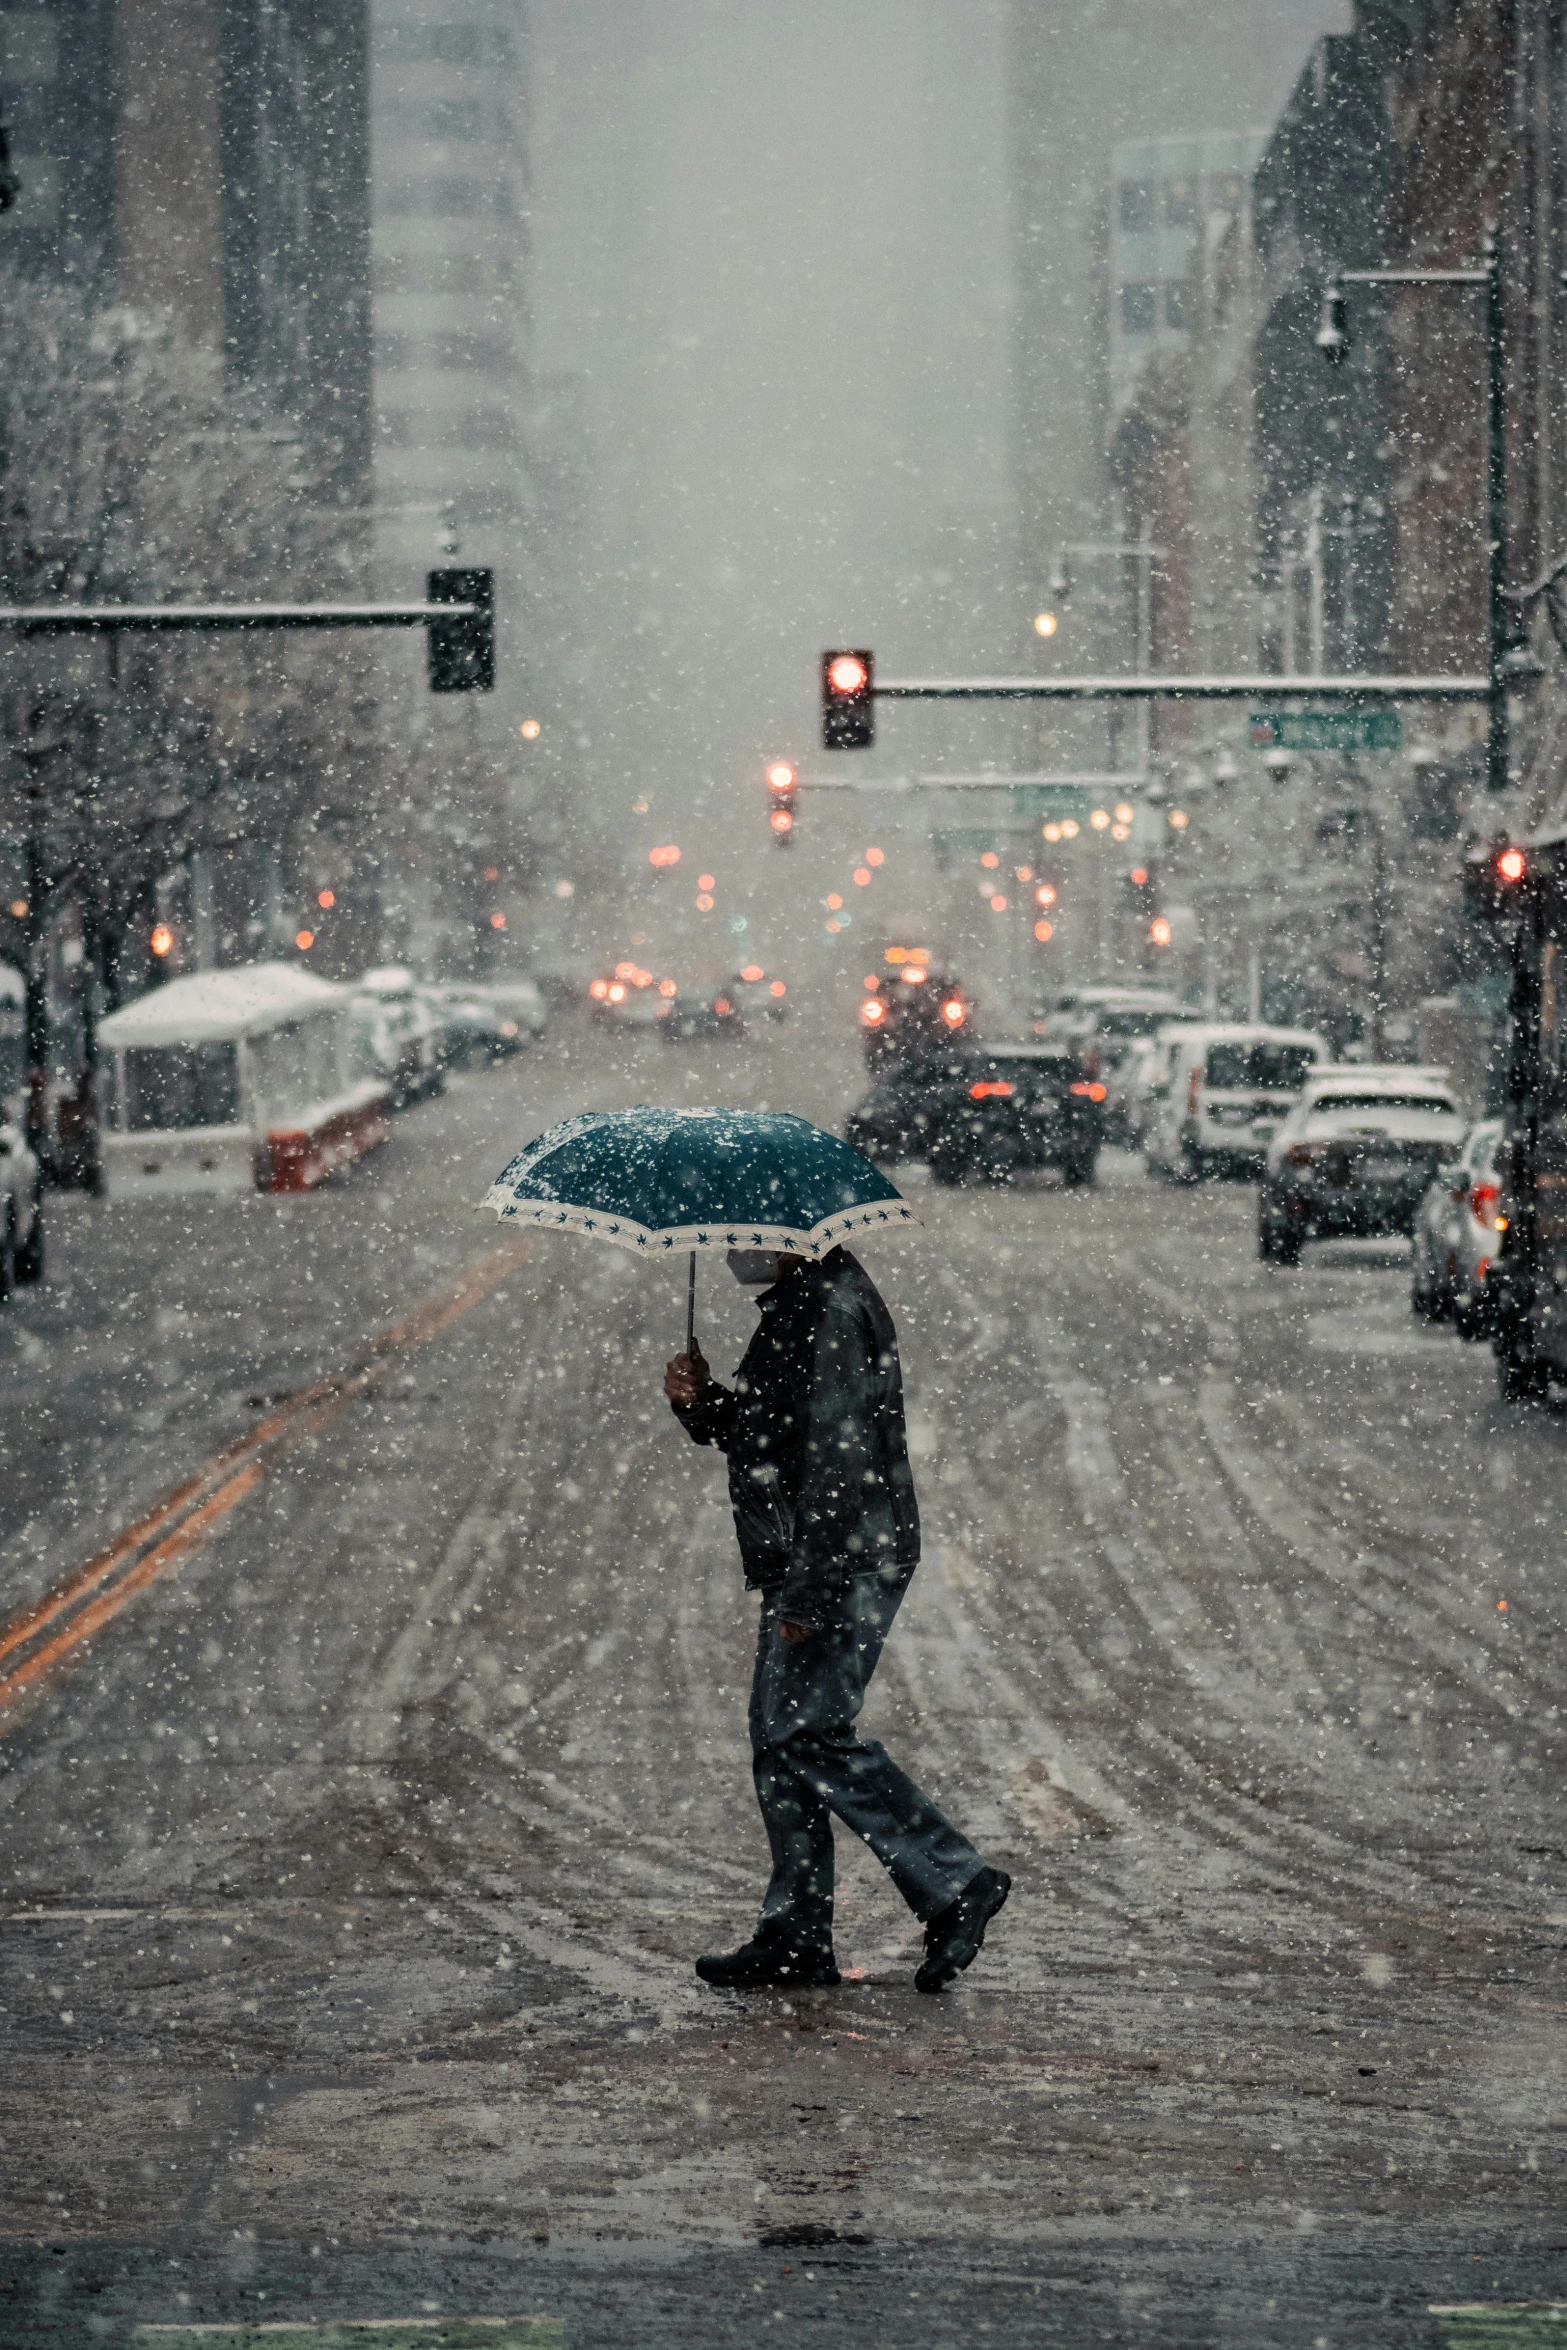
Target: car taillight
1482,1204
1300,1154
723,1007
1088,1091
991,1089
873,1011
952,1012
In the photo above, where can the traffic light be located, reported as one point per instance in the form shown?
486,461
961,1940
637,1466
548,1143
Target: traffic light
1495,880
782,789
1141,889
462,651
848,701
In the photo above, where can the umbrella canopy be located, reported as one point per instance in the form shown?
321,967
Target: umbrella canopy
653,1180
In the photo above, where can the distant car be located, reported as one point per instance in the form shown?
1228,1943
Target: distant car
1002,1108
399,1034
919,1012
758,994
21,1206
1456,1236
1222,1095
1355,1156
632,998
718,1012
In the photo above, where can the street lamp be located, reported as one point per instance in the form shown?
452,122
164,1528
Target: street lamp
1510,662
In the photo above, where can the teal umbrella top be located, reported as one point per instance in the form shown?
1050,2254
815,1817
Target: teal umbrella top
654,1180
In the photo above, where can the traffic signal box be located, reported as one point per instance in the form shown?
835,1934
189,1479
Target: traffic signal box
1140,887
462,651
1495,881
782,794
848,701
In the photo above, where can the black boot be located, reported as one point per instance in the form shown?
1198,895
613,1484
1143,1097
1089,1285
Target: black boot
954,1937
770,1964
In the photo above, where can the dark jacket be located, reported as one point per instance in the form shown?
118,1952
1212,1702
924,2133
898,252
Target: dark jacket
819,1474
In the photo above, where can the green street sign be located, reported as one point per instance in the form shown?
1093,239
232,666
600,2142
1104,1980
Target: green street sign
1327,730
1052,800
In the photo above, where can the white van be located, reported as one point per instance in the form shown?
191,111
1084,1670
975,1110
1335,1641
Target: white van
1222,1095
233,1081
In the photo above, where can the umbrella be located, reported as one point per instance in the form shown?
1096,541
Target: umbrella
663,1182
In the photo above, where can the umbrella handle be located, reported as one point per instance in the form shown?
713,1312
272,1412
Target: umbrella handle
691,1307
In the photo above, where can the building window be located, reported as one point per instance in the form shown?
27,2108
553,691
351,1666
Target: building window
457,428
432,44
1139,309
434,199
1180,204
1137,207
1178,306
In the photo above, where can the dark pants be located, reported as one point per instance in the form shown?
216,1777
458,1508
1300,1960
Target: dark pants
808,1763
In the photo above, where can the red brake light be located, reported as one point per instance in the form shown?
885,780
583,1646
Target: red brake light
1512,864
873,1010
1482,1203
723,1007
1299,1154
991,1089
952,1012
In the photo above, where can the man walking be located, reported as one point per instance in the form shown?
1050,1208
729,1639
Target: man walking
824,1508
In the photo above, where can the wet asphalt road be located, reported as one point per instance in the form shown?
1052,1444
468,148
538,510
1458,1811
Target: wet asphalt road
352,1872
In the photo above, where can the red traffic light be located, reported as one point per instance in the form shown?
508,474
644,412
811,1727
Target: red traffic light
780,776
1512,865
848,700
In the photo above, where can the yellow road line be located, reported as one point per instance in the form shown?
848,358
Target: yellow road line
190,1511
170,1553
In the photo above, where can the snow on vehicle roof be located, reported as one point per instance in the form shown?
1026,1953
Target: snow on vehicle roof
1390,1075
1248,1031
209,1007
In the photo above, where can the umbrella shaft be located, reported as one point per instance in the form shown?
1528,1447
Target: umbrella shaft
691,1307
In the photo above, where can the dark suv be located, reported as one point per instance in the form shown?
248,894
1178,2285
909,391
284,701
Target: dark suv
995,1110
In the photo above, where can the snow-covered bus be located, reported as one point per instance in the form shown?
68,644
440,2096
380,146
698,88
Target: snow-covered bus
228,1081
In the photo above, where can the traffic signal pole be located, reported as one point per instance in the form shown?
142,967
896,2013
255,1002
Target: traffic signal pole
1271,688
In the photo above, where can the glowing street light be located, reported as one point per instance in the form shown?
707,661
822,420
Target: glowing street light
161,941
1045,624
1043,932
1124,814
1100,819
530,730
875,856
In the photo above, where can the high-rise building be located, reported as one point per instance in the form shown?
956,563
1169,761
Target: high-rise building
208,160
450,277
1164,193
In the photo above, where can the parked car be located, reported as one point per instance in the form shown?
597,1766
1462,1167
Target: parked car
516,998
1222,1095
1456,1235
21,1206
998,1109
474,1028
1356,1155
399,1035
